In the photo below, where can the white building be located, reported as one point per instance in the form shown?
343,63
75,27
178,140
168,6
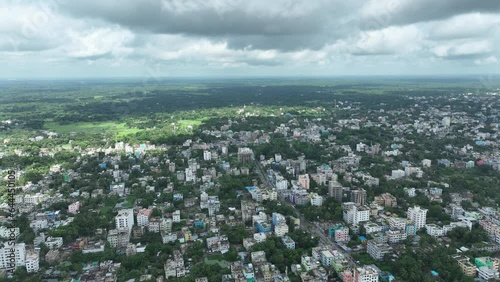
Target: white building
12,256
32,260
316,200
6,232
434,230
281,229
207,155
426,163
486,273
355,214
176,216
125,219
54,242
365,274
417,216
397,174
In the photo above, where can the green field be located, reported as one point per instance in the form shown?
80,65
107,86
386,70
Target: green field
120,129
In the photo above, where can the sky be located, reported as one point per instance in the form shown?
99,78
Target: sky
203,38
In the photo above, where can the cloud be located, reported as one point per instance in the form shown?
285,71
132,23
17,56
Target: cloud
376,14
192,37
471,25
469,49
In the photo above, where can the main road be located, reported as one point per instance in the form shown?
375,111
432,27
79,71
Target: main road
311,227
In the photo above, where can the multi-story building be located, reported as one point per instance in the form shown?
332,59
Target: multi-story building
316,200
467,267
32,260
417,216
143,217
435,230
176,216
355,214
125,219
304,181
358,197
207,155
74,207
365,274
487,273
335,190
245,155
386,200
118,238
12,256
397,223
377,250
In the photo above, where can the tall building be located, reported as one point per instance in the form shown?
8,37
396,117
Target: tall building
335,190
125,219
304,181
417,216
358,196
12,256
245,155
143,217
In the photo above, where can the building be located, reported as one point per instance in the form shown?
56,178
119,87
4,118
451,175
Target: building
13,256
417,216
245,155
377,250
365,274
74,207
32,260
143,217
358,197
207,155
435,230
316,200
125,219
118,238
335,190
353,214
467,267
386,200
426,163
304,181
288,242
176,216
487,273
339,232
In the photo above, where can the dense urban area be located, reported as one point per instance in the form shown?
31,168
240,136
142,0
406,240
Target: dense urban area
250,181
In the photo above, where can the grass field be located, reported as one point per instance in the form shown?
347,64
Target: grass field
120,129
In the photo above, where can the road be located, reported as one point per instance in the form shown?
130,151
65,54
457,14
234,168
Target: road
311,227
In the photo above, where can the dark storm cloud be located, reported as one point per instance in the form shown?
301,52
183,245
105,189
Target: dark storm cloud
379,14
284,24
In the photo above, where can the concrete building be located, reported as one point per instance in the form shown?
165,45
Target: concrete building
143,217
12,256
125,219
358,197
417,216
377,250
365,274
304,181
245,155
335,190
353,214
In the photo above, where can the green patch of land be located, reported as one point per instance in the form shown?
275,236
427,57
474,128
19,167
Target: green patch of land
120,129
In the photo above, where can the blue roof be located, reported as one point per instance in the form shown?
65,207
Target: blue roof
362,238
434,273
250,188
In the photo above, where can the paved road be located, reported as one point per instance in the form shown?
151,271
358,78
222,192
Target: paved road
311,227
